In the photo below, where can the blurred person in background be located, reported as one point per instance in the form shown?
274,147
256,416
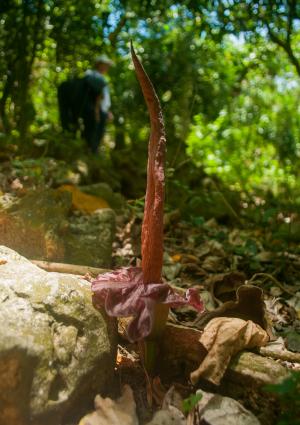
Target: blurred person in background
87,98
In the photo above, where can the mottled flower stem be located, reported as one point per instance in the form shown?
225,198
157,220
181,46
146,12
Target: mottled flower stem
151,351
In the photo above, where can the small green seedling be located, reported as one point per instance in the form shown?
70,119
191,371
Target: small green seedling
288,392
189,403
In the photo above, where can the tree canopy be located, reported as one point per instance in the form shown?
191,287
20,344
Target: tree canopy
227,73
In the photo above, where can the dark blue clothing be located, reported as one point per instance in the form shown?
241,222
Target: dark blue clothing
77,99
94,131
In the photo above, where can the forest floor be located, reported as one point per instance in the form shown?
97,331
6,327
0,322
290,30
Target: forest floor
216,259
257,245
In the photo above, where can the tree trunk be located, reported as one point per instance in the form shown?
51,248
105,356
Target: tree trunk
3,100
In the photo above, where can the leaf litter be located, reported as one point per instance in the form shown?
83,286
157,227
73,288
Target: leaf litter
235,258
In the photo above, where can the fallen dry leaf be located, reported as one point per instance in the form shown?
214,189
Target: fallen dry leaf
16,184
264,256
113,412
234,237
2,262
223,337
158,391
171,269
249,305
82,201
185,258
277,350
172,398
170,414
212,263
211,247
214,409
279,312
177,257
295,302
224,285
211,223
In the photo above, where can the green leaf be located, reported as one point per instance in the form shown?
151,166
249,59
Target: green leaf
189,403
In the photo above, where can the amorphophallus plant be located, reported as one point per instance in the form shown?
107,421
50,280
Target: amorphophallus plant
140,292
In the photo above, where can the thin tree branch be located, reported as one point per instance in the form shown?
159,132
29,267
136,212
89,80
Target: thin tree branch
291,14
286,46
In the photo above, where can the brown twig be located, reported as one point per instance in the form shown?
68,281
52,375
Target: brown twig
271,277
69,268
284,355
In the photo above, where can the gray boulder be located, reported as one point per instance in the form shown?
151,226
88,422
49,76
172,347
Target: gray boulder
34,223
56,350
42,225
89,239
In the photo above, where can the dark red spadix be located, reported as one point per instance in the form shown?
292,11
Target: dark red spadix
152,230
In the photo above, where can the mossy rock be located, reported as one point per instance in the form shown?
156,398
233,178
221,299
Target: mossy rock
42,225
32,224
89,239
56,350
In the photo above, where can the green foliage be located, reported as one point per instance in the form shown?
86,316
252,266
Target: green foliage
189,403
253,139
288,393
227,74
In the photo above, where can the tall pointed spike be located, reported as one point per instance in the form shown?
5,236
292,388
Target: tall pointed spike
152,229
